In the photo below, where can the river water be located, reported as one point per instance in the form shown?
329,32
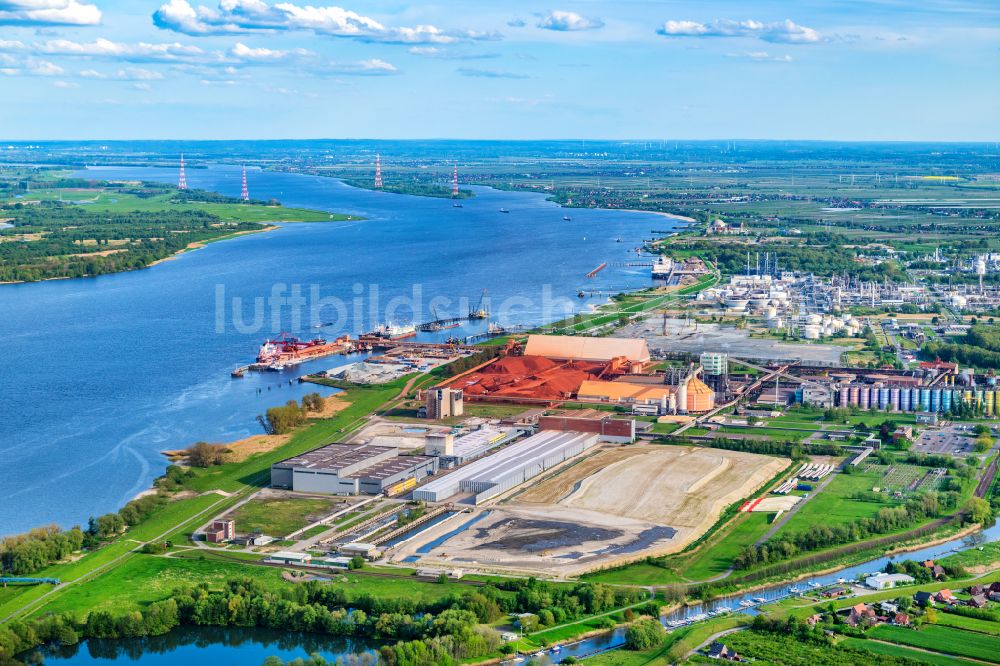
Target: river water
101,374
207,646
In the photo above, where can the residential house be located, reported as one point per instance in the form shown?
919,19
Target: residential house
975,590
862,615
945,597
719,651
901,620
976,601
888,607
834,592
937,571
924,598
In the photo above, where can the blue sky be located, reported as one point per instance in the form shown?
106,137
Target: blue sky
796,69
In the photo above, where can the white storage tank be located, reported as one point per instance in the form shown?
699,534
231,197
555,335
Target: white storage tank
811,332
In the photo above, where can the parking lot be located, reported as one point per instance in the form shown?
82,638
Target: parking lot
956,440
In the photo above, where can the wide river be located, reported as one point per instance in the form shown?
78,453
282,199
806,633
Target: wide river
101,374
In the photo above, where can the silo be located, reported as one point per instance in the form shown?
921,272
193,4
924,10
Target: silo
946,400
979,397
914,400
990,402
894,398
925,400
864,397
844,395
935,400
883,398
967,398
853,395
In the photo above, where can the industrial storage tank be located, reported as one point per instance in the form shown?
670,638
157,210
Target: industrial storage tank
990,402
894,398
883,398
814,319
700,398
936,400
864,397
925,400
844,396
736,303
853,395
810,332
946,400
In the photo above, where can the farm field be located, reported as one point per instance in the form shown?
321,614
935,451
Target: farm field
876,647
942,639
969,623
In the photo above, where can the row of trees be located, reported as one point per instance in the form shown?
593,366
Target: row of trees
58,240
773,447
112,524
288,417
34,550
887,520
450,628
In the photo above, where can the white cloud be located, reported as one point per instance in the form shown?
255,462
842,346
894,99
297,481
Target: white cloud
44,68
141,52
65,84
568,21
137,74
245,53
372,67
142,86
761,56
48,12
250,16
786,32
447,54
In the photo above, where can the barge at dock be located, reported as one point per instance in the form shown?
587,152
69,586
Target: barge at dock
288,350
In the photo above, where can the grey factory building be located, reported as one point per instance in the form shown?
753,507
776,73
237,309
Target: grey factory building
349,469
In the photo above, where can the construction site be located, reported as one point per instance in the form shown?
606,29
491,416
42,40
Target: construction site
609,507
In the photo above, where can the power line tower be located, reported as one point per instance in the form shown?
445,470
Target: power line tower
244,192
378,171
182,183
454,181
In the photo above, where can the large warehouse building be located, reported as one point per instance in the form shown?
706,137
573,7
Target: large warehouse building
509,467
350,469
582,348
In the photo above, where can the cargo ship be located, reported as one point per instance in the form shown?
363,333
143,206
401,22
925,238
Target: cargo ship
289,350
395,332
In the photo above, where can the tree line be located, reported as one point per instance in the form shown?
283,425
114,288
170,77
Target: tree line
448,629
819,536
26,553
48,239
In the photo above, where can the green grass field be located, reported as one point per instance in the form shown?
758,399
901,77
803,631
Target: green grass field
834,505
280,516
99,200
906,653
718,557
147,578
969,623
942,639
